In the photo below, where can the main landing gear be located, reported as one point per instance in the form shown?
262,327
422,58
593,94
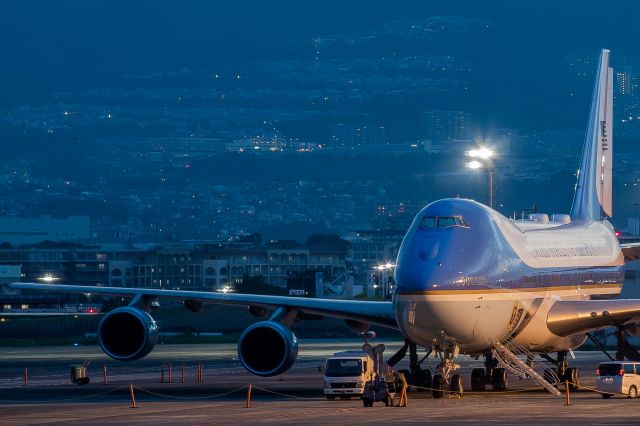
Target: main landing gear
562,373
443,381
624,349
440,383
416,375
443,377
489,375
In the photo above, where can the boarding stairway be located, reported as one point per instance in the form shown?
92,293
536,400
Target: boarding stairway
506,354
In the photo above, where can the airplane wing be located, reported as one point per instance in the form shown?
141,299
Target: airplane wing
369,312
631,251
568,317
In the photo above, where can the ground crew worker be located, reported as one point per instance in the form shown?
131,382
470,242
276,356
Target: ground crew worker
401,382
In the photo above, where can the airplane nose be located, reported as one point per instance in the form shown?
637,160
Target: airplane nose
417,263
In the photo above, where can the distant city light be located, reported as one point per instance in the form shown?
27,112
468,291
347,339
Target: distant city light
48,278
384,266
482,152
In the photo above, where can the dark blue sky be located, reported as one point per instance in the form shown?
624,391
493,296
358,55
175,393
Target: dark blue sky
518,80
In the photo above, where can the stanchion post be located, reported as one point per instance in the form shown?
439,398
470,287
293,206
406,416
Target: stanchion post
248,405
133,397
104,373
282,377
170,378
182,376
162,373
26,376
566,390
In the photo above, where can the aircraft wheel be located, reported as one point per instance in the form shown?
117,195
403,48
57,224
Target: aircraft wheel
499,381
437,385
607,395
388,402
456,384
331,397
416,379
477,379
428,380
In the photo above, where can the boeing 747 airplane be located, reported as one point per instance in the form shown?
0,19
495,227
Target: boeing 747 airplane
469,281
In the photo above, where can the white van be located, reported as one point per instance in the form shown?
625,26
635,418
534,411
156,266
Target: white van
618,378
345,374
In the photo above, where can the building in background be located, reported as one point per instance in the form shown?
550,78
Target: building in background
17,230
356,135
185,266
447,125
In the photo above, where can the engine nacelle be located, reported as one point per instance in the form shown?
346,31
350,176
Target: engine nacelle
267,348
127,334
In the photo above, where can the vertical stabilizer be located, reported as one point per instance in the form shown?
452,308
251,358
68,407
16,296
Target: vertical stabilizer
592,200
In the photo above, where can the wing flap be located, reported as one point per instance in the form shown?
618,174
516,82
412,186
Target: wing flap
379,313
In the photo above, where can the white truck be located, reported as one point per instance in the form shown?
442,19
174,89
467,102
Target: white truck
346,373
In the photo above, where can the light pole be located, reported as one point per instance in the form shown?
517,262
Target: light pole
385,270
486,155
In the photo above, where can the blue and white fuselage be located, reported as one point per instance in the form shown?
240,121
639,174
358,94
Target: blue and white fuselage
468,276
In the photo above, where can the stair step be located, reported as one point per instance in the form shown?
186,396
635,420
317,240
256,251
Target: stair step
505,353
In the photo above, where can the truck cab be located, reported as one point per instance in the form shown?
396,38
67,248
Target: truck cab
346,373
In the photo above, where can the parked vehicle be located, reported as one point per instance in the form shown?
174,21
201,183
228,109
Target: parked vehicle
346,373
618,378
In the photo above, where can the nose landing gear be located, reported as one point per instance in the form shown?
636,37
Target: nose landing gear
443,375
442,382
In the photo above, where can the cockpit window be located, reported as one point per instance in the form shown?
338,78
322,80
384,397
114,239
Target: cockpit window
445,222
442,222
429,222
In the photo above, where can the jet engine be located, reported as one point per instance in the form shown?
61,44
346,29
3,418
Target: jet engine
267,348
127,334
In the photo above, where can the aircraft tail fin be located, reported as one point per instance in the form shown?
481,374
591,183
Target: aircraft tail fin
593,196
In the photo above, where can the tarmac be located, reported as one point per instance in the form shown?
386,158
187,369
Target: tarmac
49,397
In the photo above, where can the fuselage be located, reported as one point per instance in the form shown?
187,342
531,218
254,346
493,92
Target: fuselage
468,276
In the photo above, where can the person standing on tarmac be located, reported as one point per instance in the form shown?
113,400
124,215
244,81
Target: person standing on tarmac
400,382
